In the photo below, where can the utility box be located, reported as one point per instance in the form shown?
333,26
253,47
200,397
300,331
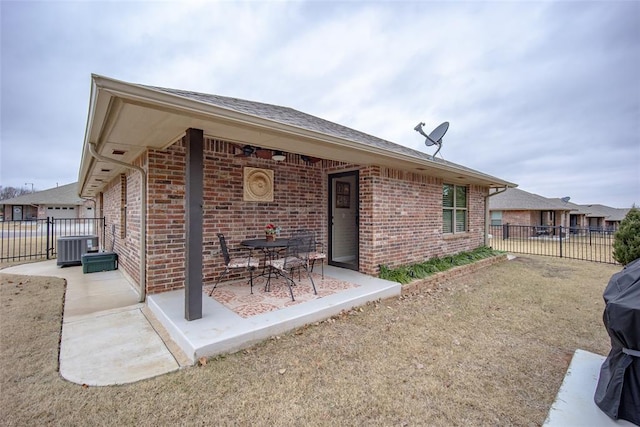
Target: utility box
100,261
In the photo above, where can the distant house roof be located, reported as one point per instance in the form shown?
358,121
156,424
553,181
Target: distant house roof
62,195
574,208
606,212
514,199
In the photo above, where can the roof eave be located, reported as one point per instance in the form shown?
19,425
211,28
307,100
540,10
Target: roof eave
104,91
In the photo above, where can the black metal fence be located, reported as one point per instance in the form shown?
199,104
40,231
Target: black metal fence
37,239
581,243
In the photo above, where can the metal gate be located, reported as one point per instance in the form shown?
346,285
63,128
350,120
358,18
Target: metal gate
37,239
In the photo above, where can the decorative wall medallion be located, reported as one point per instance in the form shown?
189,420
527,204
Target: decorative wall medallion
258,185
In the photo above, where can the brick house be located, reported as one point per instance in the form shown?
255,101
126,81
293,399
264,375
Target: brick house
517,207
520,208
60,202
577,214
171,168
604,218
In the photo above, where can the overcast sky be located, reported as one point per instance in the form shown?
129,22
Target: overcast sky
544,94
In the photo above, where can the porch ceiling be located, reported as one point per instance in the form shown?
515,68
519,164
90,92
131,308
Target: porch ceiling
125,120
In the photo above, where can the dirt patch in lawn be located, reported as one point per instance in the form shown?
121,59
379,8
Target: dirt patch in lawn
487,349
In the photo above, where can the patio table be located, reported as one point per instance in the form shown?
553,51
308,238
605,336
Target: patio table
264,244
269,249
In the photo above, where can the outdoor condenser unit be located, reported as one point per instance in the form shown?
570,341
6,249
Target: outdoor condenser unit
71,249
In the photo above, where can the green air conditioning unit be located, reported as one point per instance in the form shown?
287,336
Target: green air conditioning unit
99,261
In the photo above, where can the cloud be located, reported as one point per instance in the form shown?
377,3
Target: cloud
544,94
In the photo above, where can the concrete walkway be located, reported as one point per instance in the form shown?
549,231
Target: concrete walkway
106,337
109,338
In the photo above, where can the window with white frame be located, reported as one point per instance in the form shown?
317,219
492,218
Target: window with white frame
454,208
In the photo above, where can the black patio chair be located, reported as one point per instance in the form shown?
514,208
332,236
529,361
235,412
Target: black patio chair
250,263
295,257
317,252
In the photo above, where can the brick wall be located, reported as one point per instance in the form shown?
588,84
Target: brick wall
401,219
534,218
165,219
400,212
298,203
126,241
521,217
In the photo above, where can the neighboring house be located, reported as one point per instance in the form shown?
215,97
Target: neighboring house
604,218
171,168
520,208
577,214
58,202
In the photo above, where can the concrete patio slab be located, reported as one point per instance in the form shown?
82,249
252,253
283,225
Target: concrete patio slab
220,330
574,405
109,338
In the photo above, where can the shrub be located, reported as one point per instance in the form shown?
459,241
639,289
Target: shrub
626,241
406,274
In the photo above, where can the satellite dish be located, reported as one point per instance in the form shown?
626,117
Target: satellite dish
435,137
566,199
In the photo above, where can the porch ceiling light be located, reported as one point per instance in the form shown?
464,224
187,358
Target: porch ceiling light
278,156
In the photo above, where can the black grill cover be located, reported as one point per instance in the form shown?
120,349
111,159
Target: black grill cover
618,390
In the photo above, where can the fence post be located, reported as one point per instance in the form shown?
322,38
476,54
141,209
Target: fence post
505,231
52,243
560,237
47,248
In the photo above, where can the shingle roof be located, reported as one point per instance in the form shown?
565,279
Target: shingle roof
62,195
516,199
292,117
574,208
606,212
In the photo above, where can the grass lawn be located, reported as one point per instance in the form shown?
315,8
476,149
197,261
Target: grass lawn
488,349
